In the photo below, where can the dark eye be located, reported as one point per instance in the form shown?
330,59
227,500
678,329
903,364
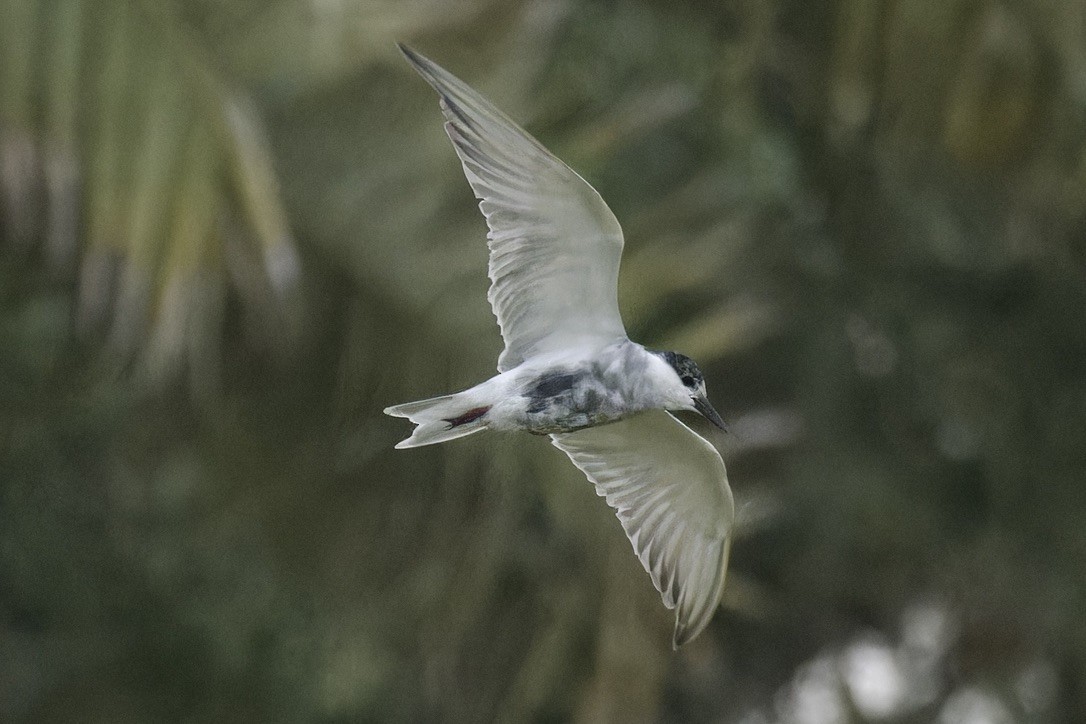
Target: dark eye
687,380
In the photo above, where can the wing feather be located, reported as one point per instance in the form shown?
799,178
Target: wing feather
554,245
670,491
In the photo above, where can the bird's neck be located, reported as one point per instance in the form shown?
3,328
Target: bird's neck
635,373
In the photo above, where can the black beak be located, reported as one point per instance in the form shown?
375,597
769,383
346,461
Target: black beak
701,404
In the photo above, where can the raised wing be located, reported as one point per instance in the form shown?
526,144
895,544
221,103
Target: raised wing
554,245
670,490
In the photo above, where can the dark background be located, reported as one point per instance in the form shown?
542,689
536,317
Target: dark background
233,232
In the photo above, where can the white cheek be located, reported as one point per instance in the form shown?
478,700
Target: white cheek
684,399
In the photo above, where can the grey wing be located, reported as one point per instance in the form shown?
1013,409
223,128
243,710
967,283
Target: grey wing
670,490
555,247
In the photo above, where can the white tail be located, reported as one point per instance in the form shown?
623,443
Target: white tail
440,418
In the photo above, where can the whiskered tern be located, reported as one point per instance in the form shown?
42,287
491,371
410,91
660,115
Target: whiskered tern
568,369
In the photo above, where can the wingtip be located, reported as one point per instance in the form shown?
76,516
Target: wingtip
697,621
688,631
430,71
416,59
682,635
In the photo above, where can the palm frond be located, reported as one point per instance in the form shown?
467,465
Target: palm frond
153,164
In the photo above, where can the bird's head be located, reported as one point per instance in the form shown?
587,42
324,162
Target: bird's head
689,392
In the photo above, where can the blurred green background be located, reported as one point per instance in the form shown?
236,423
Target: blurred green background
232,232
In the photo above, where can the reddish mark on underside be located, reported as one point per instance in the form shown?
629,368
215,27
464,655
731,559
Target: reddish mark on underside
470,416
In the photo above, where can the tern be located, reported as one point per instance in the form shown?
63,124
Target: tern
568,369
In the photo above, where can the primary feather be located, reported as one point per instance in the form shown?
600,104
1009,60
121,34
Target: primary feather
670,491
555,247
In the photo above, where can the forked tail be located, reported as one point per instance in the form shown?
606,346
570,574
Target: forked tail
440,418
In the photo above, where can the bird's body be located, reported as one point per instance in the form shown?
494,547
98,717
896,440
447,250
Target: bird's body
563,392
568,369
579,391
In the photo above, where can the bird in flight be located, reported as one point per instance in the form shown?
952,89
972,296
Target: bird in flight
568,369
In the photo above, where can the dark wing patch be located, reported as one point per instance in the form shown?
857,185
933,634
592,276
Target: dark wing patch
551,386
